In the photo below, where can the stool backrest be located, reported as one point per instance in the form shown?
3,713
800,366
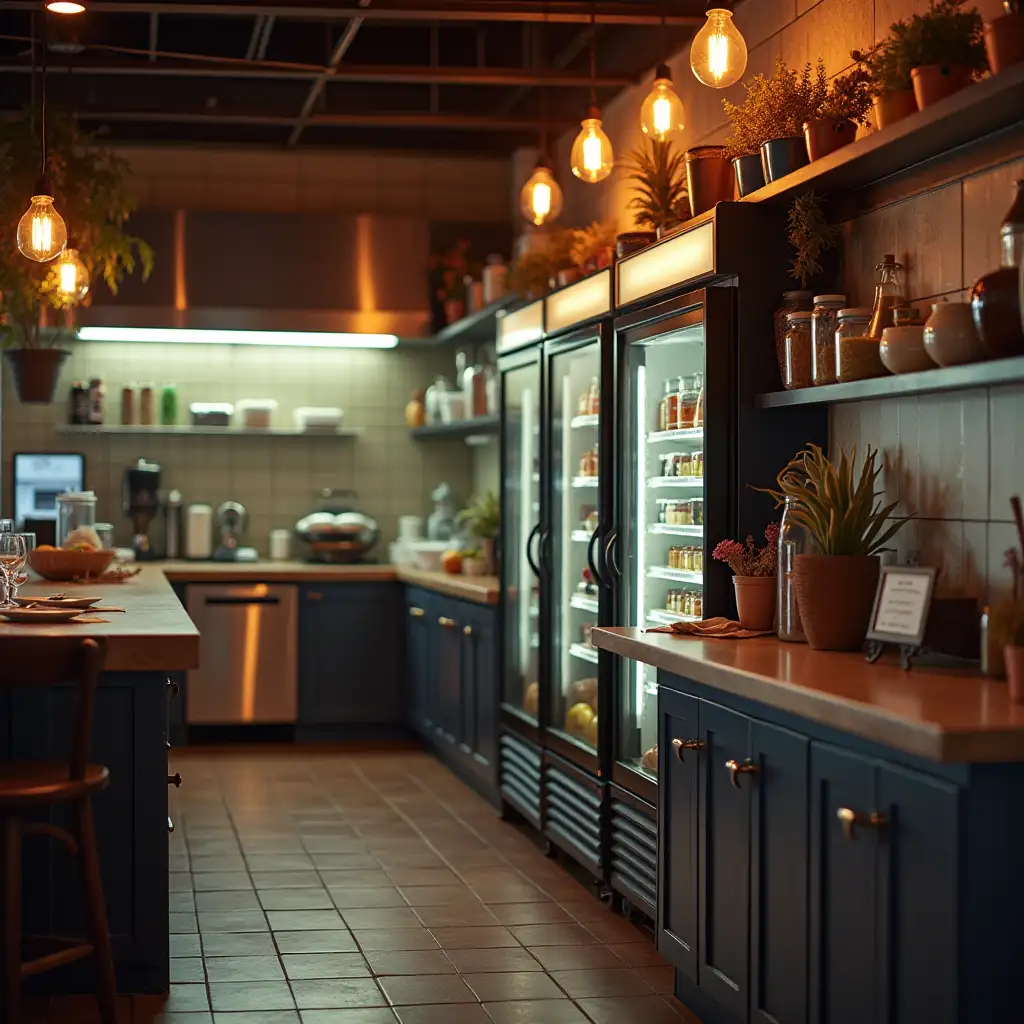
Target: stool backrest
50,661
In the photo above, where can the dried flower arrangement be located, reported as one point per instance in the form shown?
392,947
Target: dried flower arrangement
593,245
660,195
811,236
748,559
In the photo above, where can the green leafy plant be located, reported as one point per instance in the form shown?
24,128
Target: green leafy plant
530,274
90,190
481,517
848,97
886,67
811,236
659,173
776,107
590,243
838,509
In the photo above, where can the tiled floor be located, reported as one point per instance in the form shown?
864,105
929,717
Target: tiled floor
374,888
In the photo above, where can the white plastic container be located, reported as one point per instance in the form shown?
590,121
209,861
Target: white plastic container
199,531
428,553
317,418
211,414
452,406
410,527
280,545
257,413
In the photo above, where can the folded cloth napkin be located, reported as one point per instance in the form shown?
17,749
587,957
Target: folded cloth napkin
720,627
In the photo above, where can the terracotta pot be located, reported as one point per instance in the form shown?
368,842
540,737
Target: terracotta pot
995,305
749,173
1014,659
835,594
780,157
935,82
1004,41
891,107
825,135
709,178
454,309
36,371
950,337
755,601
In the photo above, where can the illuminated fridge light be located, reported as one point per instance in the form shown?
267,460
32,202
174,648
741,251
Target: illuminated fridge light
197,336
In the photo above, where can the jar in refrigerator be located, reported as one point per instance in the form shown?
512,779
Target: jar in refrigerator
697,464
670,601
824,320
686,409
667,405
686,562
697,606
684,466
698,412
696,511
594,397
583,404
169,405
673,557
688,603
797,351
698,559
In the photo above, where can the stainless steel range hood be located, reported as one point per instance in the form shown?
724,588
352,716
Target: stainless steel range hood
299,272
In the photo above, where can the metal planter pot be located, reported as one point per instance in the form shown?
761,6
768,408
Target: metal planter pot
749,173
780,157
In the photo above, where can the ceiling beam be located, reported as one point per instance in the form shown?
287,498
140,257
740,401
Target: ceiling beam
154,34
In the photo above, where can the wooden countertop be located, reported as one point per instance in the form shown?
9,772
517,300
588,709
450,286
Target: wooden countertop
941,714
479,589
154,633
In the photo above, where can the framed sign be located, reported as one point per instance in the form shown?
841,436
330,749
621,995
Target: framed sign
900,612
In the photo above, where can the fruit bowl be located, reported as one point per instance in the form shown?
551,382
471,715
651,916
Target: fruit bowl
58,564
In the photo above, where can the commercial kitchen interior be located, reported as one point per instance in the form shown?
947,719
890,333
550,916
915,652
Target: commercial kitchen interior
374,820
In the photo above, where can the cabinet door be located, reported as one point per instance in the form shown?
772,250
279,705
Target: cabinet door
418,657
480,680
921,897
350,655
779,866
727,779
844,986
677,830
448,661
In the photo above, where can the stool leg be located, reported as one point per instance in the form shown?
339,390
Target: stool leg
10,919
96,912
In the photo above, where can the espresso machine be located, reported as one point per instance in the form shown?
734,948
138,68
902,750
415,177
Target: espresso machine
140,501
231,521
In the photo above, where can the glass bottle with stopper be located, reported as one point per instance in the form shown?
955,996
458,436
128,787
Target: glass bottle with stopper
888,295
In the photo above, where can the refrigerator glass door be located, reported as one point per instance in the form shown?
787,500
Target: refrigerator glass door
575,376
662,524
519,530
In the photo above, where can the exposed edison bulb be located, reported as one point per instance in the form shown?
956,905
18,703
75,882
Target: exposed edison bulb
540,200
662,112
592,158
42,233
72,276
718,53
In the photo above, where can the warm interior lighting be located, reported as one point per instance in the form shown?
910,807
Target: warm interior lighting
592,158
72,276
718,53
662,111
200,336
65,7
42,233
540,200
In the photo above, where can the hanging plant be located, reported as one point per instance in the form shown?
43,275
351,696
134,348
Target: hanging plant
811,236
660,197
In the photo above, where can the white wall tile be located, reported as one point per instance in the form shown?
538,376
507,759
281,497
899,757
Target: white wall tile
1006,412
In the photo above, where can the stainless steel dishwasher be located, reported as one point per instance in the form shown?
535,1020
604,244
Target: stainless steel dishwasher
248,657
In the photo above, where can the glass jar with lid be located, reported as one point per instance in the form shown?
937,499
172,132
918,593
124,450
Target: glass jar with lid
797,351
686,410
857,355
824,320
698,412
794,301
667,406
74,510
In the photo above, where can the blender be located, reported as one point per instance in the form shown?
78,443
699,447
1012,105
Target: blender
140,502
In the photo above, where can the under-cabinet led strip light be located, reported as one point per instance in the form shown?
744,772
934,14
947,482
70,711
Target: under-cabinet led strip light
196,336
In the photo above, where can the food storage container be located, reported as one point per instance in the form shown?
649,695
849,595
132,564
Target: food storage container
74,510
824,320
257,413
428,553
452,406
902,346
211,414
314,418
797,351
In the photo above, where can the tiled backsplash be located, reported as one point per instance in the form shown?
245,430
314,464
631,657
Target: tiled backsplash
274,477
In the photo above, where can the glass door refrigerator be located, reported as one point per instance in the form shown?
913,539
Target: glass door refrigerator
523,600
578,486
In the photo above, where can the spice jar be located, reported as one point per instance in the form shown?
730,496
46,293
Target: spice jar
824,320
796,371
792,302
857,355
888,295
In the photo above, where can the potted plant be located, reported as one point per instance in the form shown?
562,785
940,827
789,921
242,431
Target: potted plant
889,82
593,246
481,519
752,123
448,271
659,200
1004,37
754,571
530,275
846,105
90,190
810,235
559,252
835,586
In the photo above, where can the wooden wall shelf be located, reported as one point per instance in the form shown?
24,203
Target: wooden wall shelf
475,329
184,430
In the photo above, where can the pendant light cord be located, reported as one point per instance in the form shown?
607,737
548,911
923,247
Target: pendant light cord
543,92
593,55
42,103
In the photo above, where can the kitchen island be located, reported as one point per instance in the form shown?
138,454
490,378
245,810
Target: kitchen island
837,841
146,643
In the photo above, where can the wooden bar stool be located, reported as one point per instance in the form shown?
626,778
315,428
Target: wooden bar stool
28,786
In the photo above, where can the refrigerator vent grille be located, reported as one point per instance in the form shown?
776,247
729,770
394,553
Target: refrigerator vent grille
573,817
520,776
634,856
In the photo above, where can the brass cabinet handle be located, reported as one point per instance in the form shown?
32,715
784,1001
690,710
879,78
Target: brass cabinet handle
681,745
467,630
416,613
849,817
314,595
736,769
174,780
446,622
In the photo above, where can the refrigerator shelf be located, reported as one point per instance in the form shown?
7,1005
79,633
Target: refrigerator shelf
663,572
578,422
584,481
685,434
583,652
581,536
676,531
675,481
584,603
664,617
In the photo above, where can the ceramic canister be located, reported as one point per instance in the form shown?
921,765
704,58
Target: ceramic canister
950,337
902,349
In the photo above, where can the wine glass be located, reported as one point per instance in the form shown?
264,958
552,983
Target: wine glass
13,555
21,576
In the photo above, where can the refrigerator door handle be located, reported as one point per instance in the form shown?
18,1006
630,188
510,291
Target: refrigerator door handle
609,554
591,565
544,550
529,550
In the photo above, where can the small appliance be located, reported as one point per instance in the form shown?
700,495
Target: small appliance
172,525
199,531
231,521
38,478
336,533
140,501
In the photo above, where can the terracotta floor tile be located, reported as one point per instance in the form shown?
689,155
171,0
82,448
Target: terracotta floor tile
529,913
438,988
480,961
393,917
513,985
244,968
547,1011
593,984
661,979
232,921
305,966
351,877
216,944
233,899
504,892
421,961
381,1015
295,899
358,897
576,958
553,935
279,862
633,1010
258,1017
334,940
614,929
463,915
421,876
474,938
585,910
337,993
436,895
453,1013
304,920
394,939
251,995
286,880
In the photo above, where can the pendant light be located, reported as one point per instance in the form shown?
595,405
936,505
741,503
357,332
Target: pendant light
72,277
540,199
592,158
662,112
65,7
42,234
718,53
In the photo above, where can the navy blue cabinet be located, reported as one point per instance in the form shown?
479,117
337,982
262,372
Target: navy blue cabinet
351,655
419,607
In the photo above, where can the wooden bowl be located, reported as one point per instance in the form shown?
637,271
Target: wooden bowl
58,564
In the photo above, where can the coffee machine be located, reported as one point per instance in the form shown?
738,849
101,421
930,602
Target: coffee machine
231,520
140,501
